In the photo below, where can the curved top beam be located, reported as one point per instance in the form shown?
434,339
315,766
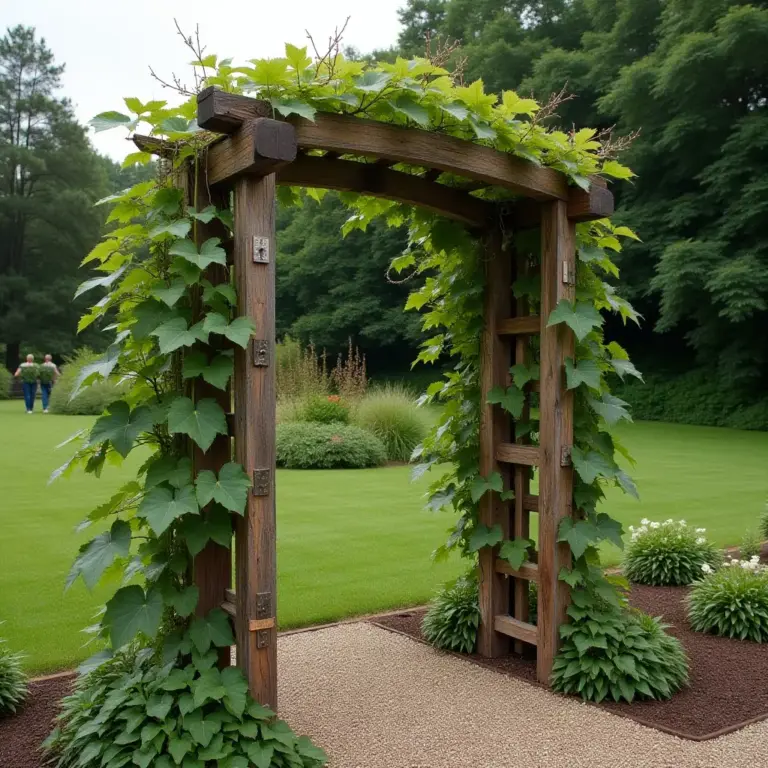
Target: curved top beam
225,112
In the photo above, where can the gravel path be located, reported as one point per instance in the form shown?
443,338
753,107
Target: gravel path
373,699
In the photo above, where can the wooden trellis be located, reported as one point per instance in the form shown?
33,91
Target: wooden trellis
255,153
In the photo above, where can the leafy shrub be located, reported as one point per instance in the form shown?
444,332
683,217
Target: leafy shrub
453,617
694,397
764,523
750,545
326,409
13,681
732,601
619,653
668,554
146,713
93,399
391,414
5,383
302,445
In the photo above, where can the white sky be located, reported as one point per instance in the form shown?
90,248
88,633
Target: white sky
107,45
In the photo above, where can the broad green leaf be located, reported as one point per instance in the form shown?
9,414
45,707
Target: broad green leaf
307,749
177,228
625,368
185,602
207,215
581,318
239,331
627,484
148,316
260,754
230,489
210,252
99,282
617,170
178,746
515,551
292,106
215,323
208,687
482,129
100,368
159,705
522,374
372,81
237,690
455,110
483,536
201,421
213,629
130,611
195,362
579,535
512,400
177,680
161,506
200,728
100,553
167,200
234,761
170,294
481,485
121,426
175,334
107,120
611,408
590,465
214,524
411,108
609,529
297,57
584,372
169,469
218,373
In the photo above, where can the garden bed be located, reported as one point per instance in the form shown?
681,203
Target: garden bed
727,677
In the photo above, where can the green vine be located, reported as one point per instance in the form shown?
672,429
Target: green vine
164,313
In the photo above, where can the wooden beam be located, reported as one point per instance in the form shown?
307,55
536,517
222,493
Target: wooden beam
512,453
520,630
350,135
531,503
223,112
558,254
527,571
260,147
591,204
495,358
255,536
528,325
379,181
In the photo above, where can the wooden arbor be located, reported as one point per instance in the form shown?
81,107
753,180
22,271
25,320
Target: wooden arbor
345,153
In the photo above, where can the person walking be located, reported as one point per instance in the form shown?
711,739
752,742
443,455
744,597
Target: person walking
47,374
28,373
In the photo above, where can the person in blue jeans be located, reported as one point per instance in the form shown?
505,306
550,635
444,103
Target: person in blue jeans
47,374
28,373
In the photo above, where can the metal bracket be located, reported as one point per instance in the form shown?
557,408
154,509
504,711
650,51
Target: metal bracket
262,482
262,638
263,605
565,456
260,250
260,353
569,273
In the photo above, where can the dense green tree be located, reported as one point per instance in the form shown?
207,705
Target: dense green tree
330,289
49,179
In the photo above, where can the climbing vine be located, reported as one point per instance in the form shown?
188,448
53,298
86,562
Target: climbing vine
162,314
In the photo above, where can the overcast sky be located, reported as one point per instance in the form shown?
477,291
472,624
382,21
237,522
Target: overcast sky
107,45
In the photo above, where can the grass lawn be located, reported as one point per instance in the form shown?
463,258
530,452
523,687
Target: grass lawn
349,542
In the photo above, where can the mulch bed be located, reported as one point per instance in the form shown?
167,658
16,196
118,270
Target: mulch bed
727,690
22,734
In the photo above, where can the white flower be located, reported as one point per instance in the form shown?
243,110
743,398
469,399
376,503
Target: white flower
682,522
701,530
631,528
701,540
645,521
707,568
655,525
754,559
669,521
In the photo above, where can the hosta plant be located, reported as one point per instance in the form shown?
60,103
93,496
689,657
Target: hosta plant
453,616
668,554
617,653
13,681
732,601
135,710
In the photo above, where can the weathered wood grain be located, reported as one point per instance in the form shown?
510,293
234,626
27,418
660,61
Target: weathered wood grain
519,630
512,453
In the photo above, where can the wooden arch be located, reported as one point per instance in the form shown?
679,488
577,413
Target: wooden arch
439,173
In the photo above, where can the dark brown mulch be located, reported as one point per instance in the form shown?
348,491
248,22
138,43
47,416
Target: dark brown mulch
22,734
727,690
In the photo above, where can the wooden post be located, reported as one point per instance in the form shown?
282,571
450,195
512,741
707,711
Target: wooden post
495,356
254,427
558,263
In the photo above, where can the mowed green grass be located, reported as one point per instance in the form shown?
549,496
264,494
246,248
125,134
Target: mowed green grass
349,542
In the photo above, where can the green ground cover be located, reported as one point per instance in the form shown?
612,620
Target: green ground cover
349,541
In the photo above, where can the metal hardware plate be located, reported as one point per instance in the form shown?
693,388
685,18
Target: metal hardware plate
263,605
565,456
569,273
262,638
260,353
261,250
261,482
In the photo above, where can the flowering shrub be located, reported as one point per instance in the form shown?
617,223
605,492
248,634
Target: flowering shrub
732,601
668,554
453,616
326,409
619,654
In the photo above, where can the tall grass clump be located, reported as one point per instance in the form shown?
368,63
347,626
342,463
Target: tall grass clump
391,414
93,399
13,681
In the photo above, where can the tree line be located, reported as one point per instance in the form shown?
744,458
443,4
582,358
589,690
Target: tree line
683,82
